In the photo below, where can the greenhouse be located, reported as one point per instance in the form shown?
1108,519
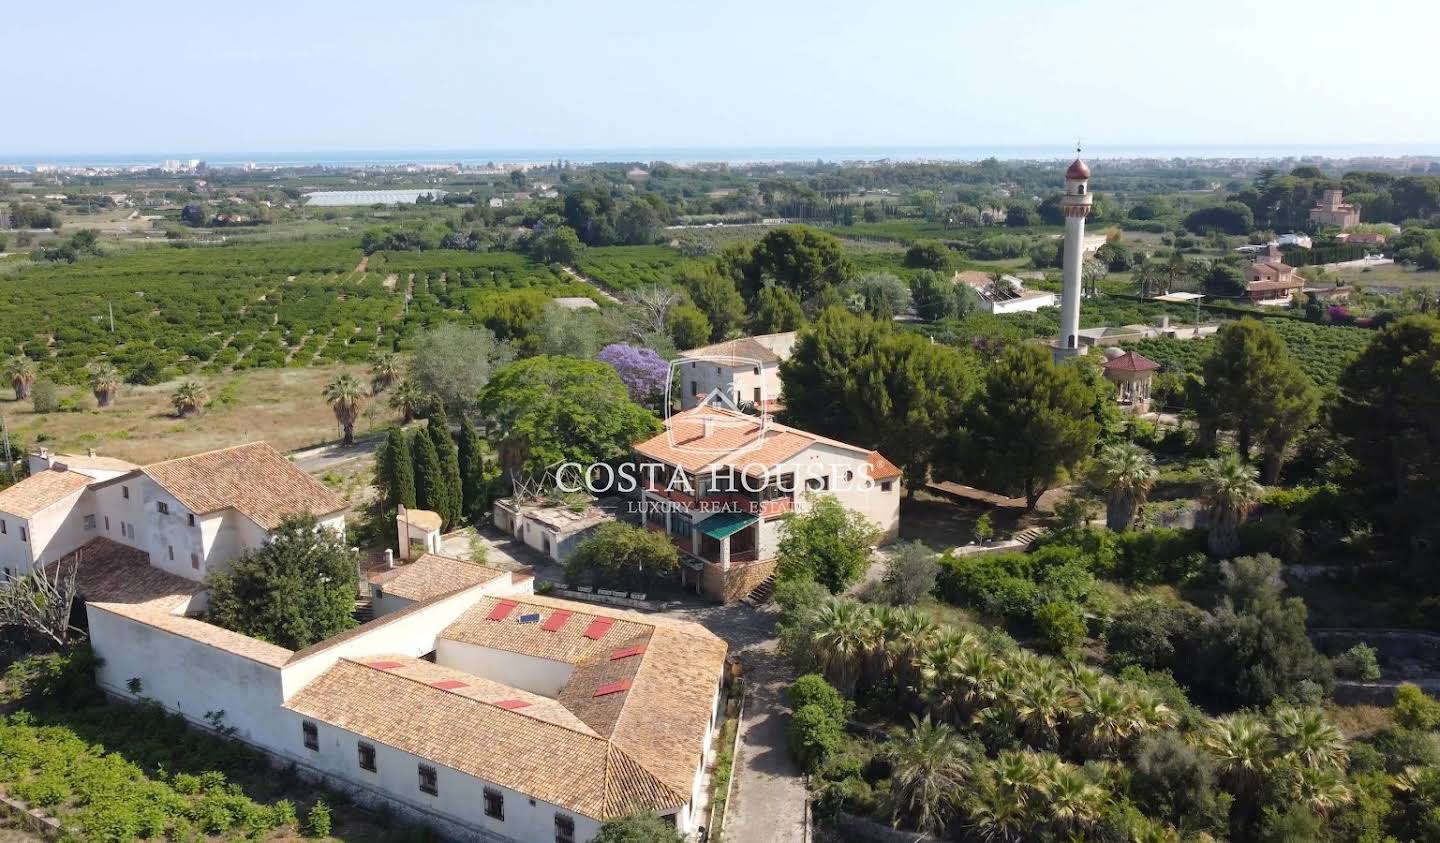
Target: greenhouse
371,197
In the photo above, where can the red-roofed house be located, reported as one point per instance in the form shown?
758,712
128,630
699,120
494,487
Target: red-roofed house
720,483
1132,374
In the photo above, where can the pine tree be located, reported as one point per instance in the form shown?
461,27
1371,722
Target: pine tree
449,458
395,472
472,470
430,490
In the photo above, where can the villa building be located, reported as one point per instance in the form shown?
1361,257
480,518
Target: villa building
469,704
722,482
1269,280
744,370
1005,295
1334,212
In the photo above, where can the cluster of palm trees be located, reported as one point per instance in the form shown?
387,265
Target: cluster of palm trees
952,681
1125,473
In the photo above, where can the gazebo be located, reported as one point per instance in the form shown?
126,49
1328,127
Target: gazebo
1131,373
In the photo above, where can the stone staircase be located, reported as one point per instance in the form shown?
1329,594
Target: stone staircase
1028,536
761,593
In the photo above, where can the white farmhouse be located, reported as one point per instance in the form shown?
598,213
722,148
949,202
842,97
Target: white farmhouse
1008,295
744,370
720,484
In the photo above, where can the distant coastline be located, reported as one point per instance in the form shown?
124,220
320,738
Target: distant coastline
738,155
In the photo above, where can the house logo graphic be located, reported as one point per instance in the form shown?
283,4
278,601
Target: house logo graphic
711,383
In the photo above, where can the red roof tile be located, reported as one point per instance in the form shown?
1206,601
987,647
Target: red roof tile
383,665
627,652
1131,362
598,627
449,684
612,688
502,610
511,705
557,620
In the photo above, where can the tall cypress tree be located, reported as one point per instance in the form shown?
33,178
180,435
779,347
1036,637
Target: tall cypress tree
395,472
472,470
430,490
439,430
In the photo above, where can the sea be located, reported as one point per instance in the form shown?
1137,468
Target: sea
733,155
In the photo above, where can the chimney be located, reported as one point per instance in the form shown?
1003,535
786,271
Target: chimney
708,427
389,558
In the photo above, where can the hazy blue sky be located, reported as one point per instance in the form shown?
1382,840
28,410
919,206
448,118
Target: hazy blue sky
261,76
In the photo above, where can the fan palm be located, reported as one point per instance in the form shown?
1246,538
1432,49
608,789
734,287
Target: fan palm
1073,802
1240,744
911,634
928,768
346,397
1149,713
21,373
410,400
1126,472
189,398
840,638
105,383
1105,721
1042,703
983,677
997,813
1306,737
1321,789
385,370
1230,490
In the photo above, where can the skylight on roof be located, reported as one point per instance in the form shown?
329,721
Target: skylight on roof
449,684
511,705
383,665
598,627
627,652
557,620
503,609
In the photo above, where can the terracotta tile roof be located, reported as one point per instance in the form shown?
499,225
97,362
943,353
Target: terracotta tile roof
480,689
107,571
254,479
432,575
1275,285
38,491
1131,362
581,773
94,462
567,644
761,348
881,468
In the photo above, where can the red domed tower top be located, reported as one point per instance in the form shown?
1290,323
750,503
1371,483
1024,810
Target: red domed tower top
1078,170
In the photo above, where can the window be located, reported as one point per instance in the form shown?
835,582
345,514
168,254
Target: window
170,548
494,804
162,507
694,387
195,561
757,395
1081,189
367,756
23,536
429,784
816,484
107,523
125,492
885,487
757,370
3,531
312,735
191,517
680,525
89,522
564,828
849,475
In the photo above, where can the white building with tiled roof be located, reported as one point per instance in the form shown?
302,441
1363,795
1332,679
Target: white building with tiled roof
469,705
191,515
724,482
744,370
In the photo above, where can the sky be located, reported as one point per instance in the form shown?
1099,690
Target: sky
201,79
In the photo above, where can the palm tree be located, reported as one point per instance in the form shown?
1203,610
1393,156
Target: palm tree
1126,472
997,813
346,396
1240,744
189,398
927,770
1307,738
1042,704
410,400
21,372
910,635
839,639
1106,720
1321,789
1230,490
1073,801
105,383
385,370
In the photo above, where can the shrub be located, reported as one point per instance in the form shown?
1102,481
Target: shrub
1145,633
45,396
1159,556
910,574
1414,709
318,821
65,679
812,689
982,530
1402,747
814,735
1359,663
1061,626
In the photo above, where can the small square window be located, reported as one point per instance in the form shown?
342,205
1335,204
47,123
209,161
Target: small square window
494,804
162,507
886,486
312,735
89,522
125,492
367,756
431,785
191,518
564,828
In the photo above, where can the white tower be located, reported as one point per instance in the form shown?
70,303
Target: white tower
1076,205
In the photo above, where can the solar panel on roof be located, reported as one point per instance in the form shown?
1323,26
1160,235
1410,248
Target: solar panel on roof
612,688
449,684
557,620
598,627
530,617
502,610
511,705
627,652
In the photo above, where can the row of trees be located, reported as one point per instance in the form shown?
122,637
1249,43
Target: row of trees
435,469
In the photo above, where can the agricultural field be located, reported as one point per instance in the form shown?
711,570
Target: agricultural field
623,267
281,406
1322,351
210,310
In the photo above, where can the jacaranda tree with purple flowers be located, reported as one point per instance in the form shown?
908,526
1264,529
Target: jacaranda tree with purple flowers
644,373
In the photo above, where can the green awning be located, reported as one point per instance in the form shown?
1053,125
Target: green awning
725,524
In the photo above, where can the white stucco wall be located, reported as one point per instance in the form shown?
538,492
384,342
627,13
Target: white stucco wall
881,507
705,376
48,535
538,676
